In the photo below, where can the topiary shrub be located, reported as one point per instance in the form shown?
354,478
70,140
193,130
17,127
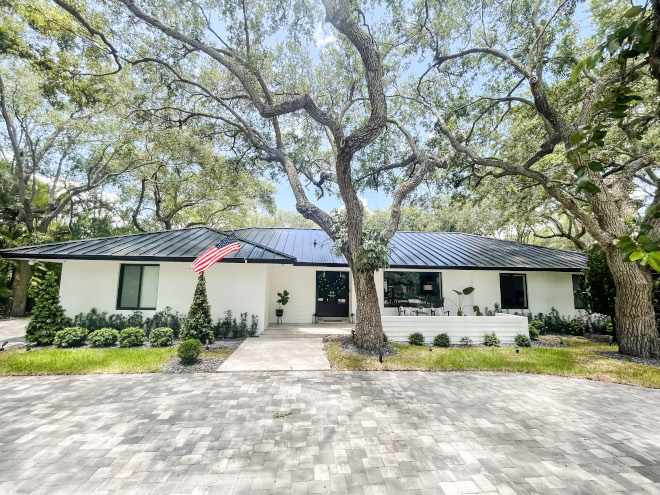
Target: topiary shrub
198,324
416,339
442,340
575,327
47,315
161,337
491,340
70,337
189,351
131,337
522,340
105,337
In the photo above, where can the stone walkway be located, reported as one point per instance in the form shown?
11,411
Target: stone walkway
291,354
365,433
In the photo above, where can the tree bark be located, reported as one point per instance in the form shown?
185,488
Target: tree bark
19,287
368,323
635,317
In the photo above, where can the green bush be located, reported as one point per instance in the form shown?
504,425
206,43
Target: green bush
254,325
442,340
161,337
47,315
189,351
131,337
536,328
70,337
104,337
491,340
416,339
522,340
198,324
95,320
386,339
575,327
165,319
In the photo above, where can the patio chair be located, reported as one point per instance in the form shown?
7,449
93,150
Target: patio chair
403,311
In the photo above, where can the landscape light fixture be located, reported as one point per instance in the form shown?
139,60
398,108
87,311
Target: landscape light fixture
2,348
517,350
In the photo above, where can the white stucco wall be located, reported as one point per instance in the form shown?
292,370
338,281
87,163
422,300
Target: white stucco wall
253,288
236,286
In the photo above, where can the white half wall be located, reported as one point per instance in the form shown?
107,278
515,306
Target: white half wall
506,327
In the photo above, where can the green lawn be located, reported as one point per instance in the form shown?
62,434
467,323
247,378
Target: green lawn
576,359
51,361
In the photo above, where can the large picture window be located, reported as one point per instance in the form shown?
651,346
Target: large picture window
412,289
138,287
578,303
513,290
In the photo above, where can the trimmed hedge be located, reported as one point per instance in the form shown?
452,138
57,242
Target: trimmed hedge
189,351
522,340
104,337
161,337
416,339
131,337
70,337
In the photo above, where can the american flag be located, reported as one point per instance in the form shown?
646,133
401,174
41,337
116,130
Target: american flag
215,253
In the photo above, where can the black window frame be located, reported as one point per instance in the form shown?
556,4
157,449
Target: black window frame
438,273
524,276
139,292
579,277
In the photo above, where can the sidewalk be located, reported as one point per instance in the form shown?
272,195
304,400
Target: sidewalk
292,354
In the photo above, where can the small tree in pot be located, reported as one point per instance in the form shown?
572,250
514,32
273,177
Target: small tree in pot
283,299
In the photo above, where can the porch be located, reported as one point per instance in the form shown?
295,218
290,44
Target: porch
306,330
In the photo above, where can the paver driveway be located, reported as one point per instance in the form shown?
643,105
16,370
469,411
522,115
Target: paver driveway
364,433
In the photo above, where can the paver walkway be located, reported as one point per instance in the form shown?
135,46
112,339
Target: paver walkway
13,330
364,433
297,354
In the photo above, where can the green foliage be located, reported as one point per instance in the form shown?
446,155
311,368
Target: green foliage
522,340
131,337
47,315
70,337
460,306
598,291
386,339
161,337
243,326
104,337
491,340
254,325
536,328
189,351
95,320
442,340
165,318
416,338
575,327
374,252
553,321
198,324
283,298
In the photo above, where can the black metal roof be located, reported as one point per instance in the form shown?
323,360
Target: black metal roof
447,250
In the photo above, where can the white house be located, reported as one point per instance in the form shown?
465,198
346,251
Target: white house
149,272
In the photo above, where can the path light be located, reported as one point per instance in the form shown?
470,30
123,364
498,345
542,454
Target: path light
517,350
3,345
353,333
561,342
207,344
430,349
380,354
611,340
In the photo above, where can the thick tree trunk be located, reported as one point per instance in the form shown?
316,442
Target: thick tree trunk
19,287
368,325
635,318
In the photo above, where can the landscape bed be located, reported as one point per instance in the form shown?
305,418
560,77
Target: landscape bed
577,358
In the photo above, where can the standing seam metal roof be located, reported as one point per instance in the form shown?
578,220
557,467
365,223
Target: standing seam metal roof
448,250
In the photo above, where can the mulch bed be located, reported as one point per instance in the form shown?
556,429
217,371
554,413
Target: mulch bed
206,365
622,357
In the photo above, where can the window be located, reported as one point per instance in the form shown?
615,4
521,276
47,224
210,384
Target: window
412,289
578,303
138,287
513,290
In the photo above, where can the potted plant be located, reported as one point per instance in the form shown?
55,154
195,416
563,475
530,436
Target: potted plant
460,306
283,298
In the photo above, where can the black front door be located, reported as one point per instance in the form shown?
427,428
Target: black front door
332,294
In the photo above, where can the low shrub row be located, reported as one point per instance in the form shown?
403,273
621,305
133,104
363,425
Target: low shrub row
490,340
108,337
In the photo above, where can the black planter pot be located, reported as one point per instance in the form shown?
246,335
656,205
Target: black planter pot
279,312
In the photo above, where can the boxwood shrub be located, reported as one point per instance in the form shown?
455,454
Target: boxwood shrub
522,340
442,340
416,339
70,337
161,337
189,351
105,337
131,337
491,340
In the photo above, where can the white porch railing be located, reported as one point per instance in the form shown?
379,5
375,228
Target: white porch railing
505,326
